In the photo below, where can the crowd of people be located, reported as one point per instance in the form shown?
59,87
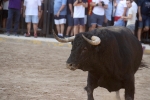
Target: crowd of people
79,15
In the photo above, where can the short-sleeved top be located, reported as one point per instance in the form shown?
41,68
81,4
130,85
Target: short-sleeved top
145,6
69,2
98,10
5,5
32,6
57,6
133,19
15,4
120,8
79,11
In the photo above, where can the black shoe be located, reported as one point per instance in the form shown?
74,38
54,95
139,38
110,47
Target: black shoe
60,36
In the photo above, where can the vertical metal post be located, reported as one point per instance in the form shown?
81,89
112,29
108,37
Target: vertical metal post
45,17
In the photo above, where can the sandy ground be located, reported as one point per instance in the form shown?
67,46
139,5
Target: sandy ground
37,72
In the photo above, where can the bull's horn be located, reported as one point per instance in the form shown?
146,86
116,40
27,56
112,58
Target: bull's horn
94,40
63,40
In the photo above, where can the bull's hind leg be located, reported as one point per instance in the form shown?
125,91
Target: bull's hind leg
91,85
129,88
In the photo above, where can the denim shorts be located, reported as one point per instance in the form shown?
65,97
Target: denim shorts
32,18
145,21
97,19
131,27
70,20
78,21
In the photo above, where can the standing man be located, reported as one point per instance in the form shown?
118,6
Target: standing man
60,11
14,10
70,17
98,12
32,10
131,16
144,16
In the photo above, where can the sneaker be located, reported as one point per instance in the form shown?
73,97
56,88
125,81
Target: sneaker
7,33
27,35
66,36
60,36
16,34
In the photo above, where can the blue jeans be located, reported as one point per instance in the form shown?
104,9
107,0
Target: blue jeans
16,14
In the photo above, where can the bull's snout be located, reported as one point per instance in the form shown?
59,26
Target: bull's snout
71,66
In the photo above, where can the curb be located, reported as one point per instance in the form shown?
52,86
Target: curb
32,40
47,41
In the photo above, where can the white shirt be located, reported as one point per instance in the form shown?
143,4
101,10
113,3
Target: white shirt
5,5
120,8
79,11
133,19
98,10
134,6
32,6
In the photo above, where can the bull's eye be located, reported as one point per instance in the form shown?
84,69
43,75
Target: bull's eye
84,49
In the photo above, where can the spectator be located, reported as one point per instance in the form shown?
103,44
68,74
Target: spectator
60,11
32,10
131,16
5,12
121,9
108,14
98,12
86,13
40,24
89,14
14,9
79,15
70,17
0,12
144,16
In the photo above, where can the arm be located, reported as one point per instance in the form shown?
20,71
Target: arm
70,8
125,10
75,3
127,17
85,5
139,13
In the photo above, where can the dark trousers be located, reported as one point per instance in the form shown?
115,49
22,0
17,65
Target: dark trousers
16,14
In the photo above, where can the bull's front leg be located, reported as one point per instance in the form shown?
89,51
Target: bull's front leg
129,87
91,85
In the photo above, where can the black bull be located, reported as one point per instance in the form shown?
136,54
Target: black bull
111,58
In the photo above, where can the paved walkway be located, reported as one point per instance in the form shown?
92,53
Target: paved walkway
48,41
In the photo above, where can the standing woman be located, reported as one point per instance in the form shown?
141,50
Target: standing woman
79,15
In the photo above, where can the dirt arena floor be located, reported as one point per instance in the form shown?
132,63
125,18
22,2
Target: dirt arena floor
34,71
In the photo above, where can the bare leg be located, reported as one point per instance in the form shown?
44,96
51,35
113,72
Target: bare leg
4,23
62,28
69,28
35,29
58,28
81,28
93,26
28,27
76,29
139,34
